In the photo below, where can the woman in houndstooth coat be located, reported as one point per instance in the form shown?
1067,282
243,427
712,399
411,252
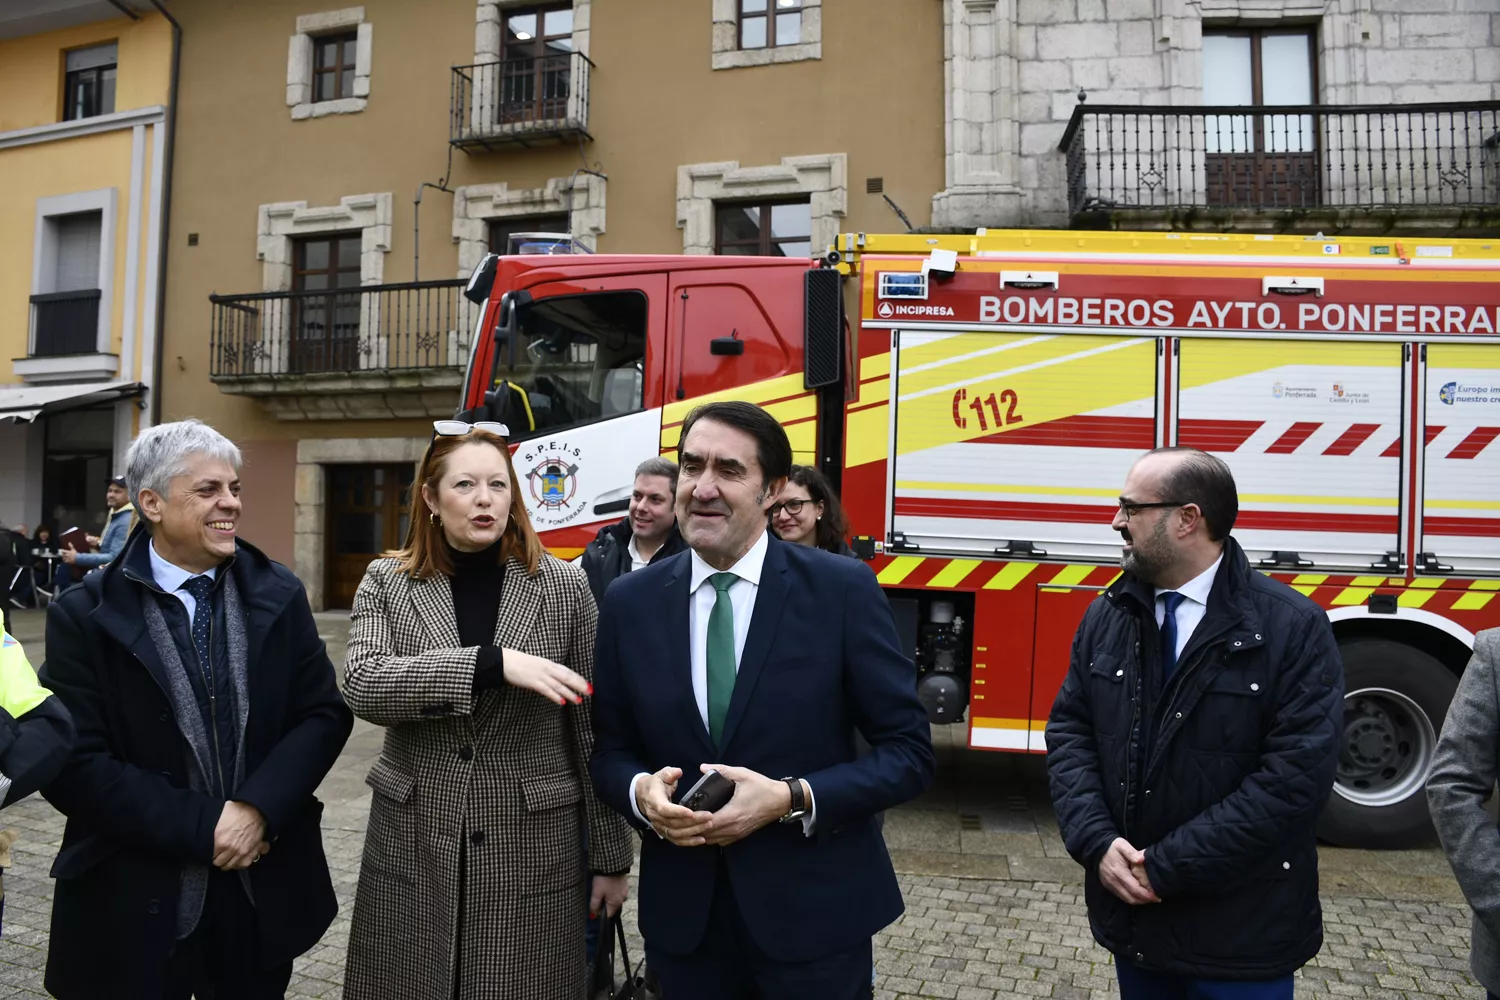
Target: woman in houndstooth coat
475,649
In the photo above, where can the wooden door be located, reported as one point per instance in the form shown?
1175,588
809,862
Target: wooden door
367,509
1260,160
325,327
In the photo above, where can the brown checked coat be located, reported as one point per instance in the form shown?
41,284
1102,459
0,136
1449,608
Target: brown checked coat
474,855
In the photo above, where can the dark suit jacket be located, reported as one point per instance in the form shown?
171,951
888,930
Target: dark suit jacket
133,820
821,660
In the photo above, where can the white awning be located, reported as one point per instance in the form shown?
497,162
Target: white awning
27,402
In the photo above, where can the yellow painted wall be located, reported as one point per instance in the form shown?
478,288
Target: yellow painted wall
31,74
31,68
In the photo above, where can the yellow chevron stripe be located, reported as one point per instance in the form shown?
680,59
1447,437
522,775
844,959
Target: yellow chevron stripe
875,364
869,436
1485,585
1472,601
1368,581
870,392
1310,578
899,569
755,392
953,574
1071,576
1423,583
1304,591
1010,575
1415,598
1353,595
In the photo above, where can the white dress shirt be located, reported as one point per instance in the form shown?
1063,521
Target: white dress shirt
638,561
170,578
701,597
1194,605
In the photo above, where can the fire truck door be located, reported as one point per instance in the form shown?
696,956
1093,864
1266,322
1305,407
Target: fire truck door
1461,475
1019,437
1312,431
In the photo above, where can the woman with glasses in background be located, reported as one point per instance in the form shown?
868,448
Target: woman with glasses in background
809,513
475,648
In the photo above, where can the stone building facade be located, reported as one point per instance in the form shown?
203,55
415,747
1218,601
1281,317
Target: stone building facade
1016,70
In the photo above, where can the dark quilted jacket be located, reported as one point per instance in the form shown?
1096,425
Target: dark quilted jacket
1219,776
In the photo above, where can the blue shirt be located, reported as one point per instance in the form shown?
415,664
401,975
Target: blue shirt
170,578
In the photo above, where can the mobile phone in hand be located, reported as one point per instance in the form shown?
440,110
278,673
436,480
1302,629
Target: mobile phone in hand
712,792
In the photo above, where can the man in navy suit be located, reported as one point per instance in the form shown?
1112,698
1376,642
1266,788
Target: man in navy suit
759,659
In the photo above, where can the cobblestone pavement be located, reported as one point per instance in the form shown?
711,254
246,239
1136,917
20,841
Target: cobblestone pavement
994,907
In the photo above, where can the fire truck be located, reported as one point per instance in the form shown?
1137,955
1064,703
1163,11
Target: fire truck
978,400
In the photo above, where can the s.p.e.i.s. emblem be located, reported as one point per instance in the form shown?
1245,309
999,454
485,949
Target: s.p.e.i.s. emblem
552,480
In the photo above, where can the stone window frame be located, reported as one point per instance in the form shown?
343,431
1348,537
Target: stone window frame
490,13
822,179
727,53
581,197
314,455
103,361
299,65
280,224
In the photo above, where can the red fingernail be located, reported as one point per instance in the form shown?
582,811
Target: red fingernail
591,689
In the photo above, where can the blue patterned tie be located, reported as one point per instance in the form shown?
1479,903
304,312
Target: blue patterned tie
1169,634
201,587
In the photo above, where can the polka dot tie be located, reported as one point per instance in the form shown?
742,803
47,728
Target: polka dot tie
201,587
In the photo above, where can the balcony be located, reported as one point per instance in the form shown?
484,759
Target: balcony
1419,169
65,340
535,101
378,351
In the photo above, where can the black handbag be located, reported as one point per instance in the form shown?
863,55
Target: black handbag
602,975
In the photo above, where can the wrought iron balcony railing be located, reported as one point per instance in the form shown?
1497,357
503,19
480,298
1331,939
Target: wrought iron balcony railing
1379,160
374,328
520,102
65,323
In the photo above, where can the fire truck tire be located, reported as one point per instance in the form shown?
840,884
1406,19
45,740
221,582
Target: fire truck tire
1395,700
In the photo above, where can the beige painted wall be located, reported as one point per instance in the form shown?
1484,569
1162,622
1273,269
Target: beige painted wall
876,95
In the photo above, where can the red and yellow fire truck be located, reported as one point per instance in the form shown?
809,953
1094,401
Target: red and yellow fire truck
982,402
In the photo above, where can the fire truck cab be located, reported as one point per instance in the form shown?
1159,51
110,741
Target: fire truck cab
978,400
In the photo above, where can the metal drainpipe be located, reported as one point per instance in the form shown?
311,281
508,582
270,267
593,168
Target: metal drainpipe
166,212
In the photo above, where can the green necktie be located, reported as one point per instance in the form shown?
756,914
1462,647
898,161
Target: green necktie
721,669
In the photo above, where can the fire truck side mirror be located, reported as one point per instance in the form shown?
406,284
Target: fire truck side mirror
483,279
823,328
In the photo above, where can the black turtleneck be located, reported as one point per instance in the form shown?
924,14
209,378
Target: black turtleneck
478,581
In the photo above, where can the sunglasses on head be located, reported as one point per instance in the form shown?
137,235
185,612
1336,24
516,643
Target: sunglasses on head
458,428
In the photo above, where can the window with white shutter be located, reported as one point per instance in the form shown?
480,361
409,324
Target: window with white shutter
77,251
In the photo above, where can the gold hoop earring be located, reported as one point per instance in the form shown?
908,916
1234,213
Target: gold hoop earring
433,519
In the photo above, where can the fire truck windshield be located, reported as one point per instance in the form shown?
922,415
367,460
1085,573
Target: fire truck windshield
571,360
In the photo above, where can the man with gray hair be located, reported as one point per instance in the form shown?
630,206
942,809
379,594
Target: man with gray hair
648,533
207,714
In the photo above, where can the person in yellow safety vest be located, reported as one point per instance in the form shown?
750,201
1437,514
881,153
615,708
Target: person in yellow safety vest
36,736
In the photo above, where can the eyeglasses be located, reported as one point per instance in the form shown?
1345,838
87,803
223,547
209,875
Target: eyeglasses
458,428
1132,509
792,507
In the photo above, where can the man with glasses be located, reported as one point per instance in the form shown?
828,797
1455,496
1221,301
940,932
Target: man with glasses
1193,745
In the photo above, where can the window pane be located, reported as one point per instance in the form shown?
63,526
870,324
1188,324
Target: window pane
325,89
314,282
558,22
790,221
1286,78
521,27
792,249
753,33
349,248
1226,80
346,84
578,357
752,6
562,45
738,223
107,92
328,53
315,255
788,28
351,47
740,250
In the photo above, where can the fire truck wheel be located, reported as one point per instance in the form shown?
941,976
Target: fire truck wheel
1395,699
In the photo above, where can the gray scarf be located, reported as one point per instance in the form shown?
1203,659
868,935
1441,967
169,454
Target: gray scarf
190,724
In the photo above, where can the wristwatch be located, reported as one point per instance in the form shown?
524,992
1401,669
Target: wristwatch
799,800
